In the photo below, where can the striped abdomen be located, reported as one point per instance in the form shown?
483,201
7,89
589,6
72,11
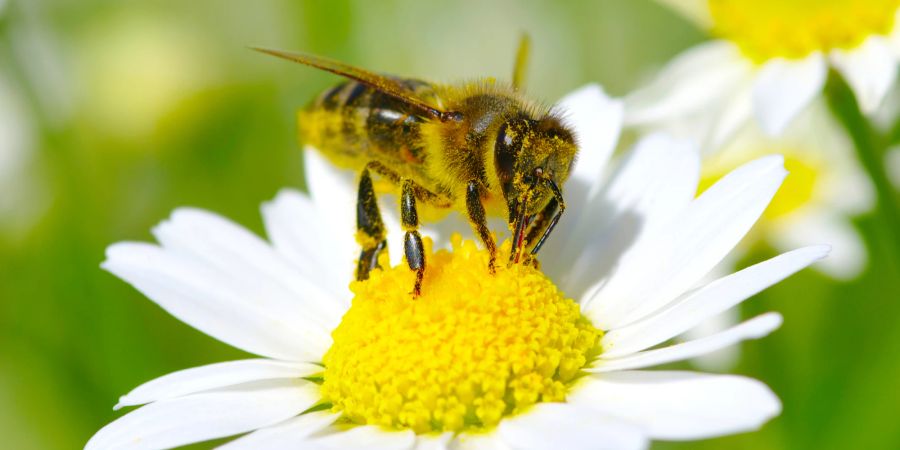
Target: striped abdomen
353,124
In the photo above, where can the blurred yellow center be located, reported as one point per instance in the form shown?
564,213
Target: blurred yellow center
470,350
766,29
797,190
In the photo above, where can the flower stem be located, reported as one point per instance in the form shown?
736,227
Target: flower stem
870,149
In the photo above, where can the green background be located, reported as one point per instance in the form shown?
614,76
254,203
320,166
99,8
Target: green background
131,109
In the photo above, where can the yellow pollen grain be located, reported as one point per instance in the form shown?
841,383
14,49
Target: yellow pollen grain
765,29
472,349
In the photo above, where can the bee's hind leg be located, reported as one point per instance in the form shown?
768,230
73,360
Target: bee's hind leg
370,231
412,241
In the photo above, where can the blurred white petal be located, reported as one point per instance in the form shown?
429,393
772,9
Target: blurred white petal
783,88
869,69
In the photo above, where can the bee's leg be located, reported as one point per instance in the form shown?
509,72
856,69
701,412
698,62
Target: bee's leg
412,242
479,222
369,228
421,193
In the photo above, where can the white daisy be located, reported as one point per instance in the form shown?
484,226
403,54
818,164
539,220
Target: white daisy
768,61
478,361
826,188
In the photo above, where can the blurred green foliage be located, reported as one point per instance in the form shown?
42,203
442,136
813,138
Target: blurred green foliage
132,109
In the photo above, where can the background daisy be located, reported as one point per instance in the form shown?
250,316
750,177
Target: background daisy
766,62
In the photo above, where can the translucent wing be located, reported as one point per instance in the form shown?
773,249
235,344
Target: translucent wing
382,83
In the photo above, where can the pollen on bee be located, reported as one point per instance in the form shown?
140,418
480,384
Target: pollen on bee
472,349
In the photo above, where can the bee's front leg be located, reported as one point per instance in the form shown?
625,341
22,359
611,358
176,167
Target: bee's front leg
412,242
370,231
477,218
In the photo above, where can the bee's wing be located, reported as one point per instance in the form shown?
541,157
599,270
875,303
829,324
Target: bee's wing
382,83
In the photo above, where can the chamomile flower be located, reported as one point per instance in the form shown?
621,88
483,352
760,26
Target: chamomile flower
516,360
826,188
768,61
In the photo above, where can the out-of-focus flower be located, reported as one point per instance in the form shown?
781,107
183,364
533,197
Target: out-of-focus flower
479,360
825,189
137,66
768,61
24,197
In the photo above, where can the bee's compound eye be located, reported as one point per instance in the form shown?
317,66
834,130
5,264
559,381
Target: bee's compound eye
506,149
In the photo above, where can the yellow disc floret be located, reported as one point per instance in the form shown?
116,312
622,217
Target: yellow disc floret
766,29
472,349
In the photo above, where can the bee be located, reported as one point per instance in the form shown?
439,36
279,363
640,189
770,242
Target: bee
480,148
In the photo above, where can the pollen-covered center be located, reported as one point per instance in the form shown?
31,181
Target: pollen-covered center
766,29
473,348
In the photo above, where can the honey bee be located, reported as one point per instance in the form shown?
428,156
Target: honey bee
479,148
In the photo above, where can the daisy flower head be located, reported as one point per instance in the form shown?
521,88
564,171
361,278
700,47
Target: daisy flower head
825,189
768,60
522,359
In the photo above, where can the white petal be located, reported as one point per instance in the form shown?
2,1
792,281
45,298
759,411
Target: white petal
214,376
292,434
680,405
597,121
292,224
676,256
694,81
433,442
730,119
783,88
869,69
706,302
754,328
653,183
334,192
253,267
209,302
200,417
364,437
565,426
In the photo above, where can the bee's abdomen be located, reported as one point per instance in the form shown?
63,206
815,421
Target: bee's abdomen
353,124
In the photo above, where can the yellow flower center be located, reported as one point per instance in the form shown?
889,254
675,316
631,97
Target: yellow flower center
472,349
797,190
766,29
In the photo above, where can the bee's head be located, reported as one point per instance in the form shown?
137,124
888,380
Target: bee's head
532,158
529,155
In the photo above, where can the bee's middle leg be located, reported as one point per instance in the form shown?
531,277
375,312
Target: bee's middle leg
412,241
369,228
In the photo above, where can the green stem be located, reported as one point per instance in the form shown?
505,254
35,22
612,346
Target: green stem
871,150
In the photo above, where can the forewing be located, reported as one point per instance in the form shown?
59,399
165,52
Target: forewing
386,85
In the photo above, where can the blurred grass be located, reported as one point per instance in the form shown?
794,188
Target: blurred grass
107,162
